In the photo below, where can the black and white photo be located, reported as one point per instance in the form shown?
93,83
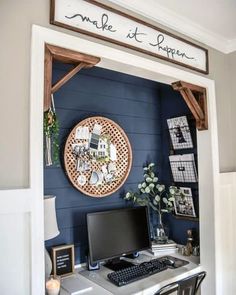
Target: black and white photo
183,204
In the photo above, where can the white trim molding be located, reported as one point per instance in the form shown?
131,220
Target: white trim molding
225,234
231,45
120,60
29,202
174,21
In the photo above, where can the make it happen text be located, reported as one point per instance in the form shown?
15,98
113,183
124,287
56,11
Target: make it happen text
102,23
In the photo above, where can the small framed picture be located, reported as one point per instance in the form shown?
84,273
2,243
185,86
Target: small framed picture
63,258
184,203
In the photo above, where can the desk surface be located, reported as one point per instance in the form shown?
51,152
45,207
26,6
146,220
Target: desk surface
147,286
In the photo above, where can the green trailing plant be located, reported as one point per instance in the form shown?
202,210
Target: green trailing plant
153,194
51,133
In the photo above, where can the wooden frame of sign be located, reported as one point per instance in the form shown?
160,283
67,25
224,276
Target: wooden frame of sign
63,260
101,21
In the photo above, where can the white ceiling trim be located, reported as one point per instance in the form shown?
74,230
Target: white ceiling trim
178,23
231,45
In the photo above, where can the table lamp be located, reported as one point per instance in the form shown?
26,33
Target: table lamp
50,228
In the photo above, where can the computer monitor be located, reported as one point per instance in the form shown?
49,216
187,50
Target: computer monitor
116,233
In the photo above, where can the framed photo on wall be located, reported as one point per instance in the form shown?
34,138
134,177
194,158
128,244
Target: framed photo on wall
184,203
63,258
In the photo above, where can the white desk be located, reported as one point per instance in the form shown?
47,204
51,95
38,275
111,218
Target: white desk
147,286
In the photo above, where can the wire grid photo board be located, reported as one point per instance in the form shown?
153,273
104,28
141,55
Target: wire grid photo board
183,168
180,133
97,156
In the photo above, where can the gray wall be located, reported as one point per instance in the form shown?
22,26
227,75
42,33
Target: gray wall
16,18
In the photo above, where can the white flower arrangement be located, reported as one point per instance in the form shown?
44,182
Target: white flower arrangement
153,194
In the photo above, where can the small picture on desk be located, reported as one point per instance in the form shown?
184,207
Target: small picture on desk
63,258
184,203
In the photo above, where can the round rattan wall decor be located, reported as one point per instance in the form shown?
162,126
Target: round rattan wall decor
97,156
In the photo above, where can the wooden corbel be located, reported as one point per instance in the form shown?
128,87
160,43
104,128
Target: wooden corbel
195,98
77,59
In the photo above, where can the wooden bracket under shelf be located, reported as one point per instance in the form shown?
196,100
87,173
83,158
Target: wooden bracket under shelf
79,60
195,98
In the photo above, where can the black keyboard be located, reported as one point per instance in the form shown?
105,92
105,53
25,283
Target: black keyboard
137,272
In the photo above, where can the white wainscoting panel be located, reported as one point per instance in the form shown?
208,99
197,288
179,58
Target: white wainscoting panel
15,249
226,234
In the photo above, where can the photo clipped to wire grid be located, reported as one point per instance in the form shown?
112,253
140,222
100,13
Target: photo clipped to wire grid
183,168
184,203
180,133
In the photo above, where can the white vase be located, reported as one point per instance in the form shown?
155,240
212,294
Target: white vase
48,264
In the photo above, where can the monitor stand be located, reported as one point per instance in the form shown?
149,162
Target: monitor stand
118,264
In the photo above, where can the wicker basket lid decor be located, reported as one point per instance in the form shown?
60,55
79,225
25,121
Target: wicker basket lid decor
97,156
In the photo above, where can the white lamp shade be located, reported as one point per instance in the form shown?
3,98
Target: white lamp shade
50,219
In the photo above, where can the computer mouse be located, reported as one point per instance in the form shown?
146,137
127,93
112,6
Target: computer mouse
169,262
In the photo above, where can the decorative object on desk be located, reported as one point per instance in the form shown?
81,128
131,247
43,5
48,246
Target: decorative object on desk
53,285
63,258
51,133
157,197
180,133
196,251
98,156
183,168
189,246
181,249
160,231
50,228
170,246
184,203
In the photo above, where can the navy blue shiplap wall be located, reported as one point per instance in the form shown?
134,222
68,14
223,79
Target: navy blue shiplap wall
140,107
134,104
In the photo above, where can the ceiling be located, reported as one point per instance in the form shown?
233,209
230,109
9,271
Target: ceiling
216,16
212,22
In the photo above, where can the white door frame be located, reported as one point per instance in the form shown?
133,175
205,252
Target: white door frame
129,62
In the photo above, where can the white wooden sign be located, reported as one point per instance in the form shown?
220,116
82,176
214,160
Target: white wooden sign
100,21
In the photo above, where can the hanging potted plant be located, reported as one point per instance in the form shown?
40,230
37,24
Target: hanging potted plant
159,199
51,133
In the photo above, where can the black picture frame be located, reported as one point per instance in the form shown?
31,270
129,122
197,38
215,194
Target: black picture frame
63,259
